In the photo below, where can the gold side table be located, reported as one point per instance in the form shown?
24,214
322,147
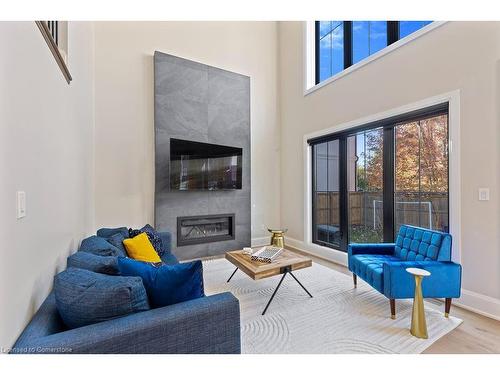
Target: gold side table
277,237
418,324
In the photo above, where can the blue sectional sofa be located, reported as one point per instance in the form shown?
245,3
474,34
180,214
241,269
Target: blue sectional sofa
383,266
208,325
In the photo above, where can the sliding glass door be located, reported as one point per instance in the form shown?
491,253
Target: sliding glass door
369,181
326,199
365,186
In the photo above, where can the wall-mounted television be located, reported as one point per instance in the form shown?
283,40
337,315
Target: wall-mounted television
204,166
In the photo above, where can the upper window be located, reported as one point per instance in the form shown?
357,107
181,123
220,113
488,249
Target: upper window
408,27
330,36
368,37
340,44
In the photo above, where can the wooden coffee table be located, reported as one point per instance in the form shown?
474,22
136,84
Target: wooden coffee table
284,264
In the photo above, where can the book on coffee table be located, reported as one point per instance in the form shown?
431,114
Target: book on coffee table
267,254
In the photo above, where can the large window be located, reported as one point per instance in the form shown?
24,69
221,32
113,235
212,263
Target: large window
340,44
369,181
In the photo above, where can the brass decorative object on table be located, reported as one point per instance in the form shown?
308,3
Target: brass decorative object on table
418,324
277,237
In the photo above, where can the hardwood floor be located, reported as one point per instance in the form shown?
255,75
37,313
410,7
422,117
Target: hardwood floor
477,334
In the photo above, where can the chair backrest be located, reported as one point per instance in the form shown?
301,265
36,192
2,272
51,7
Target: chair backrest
414,243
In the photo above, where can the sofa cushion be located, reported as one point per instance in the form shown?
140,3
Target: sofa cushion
84,297
166,284
370,268
108,232
117,241
166,242
169,258
417,244
99,246
94,263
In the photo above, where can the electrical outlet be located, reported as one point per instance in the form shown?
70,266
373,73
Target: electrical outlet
484,194
21,204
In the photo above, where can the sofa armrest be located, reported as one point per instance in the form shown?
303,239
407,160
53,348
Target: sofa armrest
204,325
371,248
444,282
166,240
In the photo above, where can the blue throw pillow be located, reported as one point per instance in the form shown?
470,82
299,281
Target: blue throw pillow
84,297
94,263
117,241
108,232
99,246
166,284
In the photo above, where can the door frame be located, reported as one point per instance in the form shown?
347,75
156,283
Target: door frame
453,100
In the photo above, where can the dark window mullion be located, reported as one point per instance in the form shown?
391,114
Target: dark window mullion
343,194
420,173
392,32
313,203
316,52
347,44
388,184
328,197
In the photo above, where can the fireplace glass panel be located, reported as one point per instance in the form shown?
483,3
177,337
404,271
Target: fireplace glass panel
201,229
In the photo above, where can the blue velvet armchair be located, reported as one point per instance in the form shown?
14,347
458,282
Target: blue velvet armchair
383,266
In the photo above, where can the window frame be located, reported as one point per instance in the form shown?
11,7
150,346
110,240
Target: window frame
388,125
392,37
311,51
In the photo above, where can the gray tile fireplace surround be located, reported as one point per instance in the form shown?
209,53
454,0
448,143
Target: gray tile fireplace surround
197,102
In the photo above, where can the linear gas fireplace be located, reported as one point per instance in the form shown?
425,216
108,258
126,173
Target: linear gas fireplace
193,230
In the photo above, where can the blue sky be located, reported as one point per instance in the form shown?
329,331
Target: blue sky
368,38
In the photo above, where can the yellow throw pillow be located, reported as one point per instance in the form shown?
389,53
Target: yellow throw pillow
139,248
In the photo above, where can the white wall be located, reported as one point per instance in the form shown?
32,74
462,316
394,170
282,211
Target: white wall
46,149
456,56
124,110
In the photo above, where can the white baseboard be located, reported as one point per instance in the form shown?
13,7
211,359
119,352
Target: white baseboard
332,255
260,241
479,303
469,300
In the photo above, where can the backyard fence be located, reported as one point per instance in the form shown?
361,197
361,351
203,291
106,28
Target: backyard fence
425,209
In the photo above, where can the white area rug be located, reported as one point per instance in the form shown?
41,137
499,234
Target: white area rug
338,319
